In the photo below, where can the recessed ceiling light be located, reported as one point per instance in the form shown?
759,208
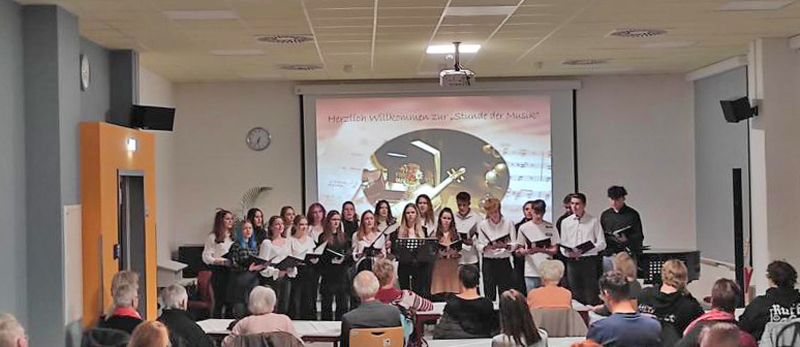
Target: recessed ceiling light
755,5
201,15
636,32
449,49
285,39
226,52
585,62
668,44
467,11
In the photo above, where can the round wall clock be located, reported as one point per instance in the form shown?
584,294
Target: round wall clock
85,72
258,139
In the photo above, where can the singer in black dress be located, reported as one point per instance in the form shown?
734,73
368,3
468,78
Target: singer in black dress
335,283
412,274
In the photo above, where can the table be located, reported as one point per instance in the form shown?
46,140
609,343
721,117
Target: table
311,331
438,310
551,342
319,331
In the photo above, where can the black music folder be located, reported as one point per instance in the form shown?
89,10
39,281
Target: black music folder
455,245
316,253
543,243
583,247
287,263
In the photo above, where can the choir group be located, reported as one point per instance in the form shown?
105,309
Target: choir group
314,257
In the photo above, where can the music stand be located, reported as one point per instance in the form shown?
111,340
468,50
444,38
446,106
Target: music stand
417,250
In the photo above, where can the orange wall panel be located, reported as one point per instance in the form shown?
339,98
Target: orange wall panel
103,153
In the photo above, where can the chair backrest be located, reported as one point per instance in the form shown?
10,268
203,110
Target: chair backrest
204,285
271,339
781,334
377,337
559,322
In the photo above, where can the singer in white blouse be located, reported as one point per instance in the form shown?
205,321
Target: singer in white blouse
496,239
303,298
274,249
584,267
217,244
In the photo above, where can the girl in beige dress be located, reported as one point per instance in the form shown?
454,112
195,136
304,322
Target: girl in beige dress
445,270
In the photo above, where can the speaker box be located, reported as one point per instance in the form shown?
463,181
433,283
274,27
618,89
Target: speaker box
152,117
736,110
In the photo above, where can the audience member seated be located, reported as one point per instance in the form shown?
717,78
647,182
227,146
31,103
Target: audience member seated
517,328
371,313
263,320
103,337
407,301
124,315
391,294
625,264
11,332
625,327
780,303
672,304
587,343
720,335
183,331
467,315
123,277
724,296
550,295
150,334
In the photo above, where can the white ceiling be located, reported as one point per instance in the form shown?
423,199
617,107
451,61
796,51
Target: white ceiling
385,39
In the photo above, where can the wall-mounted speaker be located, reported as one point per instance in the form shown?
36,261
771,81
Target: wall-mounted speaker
736,110
152,117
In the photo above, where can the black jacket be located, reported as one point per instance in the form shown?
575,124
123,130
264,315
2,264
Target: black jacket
124,323
678,309
475,317
776,305
103,337
627,217
180,325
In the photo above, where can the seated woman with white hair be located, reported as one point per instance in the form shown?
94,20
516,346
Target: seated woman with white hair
263,320
11,332
183,331
550,295
124,315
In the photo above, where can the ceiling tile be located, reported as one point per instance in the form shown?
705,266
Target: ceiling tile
558,29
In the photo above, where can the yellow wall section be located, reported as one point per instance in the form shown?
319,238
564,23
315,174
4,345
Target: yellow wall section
103,152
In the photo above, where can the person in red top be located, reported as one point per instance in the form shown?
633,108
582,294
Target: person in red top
124,317
389,294
724,296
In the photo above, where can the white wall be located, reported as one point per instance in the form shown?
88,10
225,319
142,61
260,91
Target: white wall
774,80
213,167
154,90
638,132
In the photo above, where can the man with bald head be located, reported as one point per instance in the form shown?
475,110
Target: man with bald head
371,313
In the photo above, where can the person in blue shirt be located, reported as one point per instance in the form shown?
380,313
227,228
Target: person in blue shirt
625,327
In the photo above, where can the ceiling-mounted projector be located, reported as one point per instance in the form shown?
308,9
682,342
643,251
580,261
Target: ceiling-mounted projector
458,76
